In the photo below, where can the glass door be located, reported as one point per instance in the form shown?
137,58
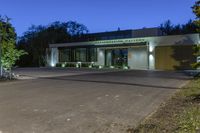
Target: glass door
120,57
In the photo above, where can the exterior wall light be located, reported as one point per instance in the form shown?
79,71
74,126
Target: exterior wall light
78,64
100,67
54,57
63,64
91,65
112,67
52,64
125,67
151,57
151,48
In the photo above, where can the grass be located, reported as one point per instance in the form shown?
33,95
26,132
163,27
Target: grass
180,114
190,120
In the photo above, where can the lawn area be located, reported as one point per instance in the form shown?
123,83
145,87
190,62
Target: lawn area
180,114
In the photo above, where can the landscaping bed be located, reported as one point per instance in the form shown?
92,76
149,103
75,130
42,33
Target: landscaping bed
3,80
7,79
180,114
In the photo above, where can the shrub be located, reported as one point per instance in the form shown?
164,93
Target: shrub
70,65
59,65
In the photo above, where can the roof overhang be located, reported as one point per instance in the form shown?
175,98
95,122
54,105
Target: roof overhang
102,43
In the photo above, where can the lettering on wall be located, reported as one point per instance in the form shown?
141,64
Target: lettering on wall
120,41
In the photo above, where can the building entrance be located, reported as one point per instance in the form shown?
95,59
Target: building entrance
116,57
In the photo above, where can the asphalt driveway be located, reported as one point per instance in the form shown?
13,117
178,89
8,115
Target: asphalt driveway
83,100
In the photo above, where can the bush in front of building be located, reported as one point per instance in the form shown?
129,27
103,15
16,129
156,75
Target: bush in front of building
85,65
89,65
70,65
58,65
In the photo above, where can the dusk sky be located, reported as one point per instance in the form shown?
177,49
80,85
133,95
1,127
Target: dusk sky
97,15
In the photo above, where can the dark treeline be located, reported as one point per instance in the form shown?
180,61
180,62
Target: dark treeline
171,29
35,41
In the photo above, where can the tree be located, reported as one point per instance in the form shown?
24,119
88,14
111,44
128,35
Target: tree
36,40
196,11
166,27
9,53
170,29
76,29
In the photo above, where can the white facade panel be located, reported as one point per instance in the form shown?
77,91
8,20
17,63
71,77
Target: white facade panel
100,57
54,56
138,58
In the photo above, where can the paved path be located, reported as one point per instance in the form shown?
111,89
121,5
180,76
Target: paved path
87,101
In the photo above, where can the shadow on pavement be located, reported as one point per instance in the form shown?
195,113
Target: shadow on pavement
111,82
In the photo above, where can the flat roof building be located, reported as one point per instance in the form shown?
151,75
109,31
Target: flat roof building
147,48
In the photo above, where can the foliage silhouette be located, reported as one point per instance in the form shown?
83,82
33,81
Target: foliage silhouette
36,40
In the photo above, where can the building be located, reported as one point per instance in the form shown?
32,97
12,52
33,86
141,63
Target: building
146,48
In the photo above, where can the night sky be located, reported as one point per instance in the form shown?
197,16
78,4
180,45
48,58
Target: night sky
97,15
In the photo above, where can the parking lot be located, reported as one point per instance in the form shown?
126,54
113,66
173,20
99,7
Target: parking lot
71,100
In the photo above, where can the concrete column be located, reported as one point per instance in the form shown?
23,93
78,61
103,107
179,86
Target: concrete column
151,56
108,58
100,57
54,56
138,58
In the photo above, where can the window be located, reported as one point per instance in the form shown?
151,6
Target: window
81,54
65,55
78,54
92,55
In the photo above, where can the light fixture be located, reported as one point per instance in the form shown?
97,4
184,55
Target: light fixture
125,67
52,64
63,64
151,57
151,48
112,67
